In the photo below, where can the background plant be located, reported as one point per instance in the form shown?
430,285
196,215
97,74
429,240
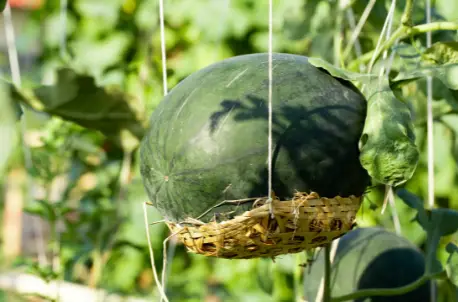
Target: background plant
85,182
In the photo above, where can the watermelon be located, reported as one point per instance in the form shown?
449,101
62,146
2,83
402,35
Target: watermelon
371,258
207,140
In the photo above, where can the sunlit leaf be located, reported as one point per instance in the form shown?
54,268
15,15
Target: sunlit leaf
341,73
387,145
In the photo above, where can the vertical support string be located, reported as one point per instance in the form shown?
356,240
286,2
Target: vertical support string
11,45
151,255
430,133
166,257
159,283
270,139
163,49
63,25
15,70
430,119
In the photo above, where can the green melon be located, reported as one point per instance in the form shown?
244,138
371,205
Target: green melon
371,258
207,139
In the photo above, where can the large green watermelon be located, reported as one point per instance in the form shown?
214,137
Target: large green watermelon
372,258
207,140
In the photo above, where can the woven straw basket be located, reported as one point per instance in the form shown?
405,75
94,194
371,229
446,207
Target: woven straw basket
307,221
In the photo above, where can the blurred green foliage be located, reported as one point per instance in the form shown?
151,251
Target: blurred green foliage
117,42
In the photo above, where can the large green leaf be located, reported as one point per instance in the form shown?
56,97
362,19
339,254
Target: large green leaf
341,73
387,145
77,98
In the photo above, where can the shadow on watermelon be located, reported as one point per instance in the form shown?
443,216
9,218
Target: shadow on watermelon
207,140
372,258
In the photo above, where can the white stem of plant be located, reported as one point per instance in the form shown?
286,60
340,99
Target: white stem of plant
389,22
16,77
382,36
430,131
357,45
161,284
63,24
151,253
389,196
430,120
11,45
357,30
270,138
320,293
163,48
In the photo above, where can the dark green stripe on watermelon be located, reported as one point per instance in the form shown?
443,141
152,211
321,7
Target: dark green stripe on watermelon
207,140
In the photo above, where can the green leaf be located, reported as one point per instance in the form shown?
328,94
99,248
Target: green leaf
341,73
436,223
452,263
442,221
387,145
77,98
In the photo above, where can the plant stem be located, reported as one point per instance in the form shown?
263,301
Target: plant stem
406,18
357,30
402,33
327,273
365,293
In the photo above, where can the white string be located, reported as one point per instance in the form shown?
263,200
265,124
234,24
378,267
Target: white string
160,283
430,129
357,29
382,34
388,33
16,77
389,195
163,49
269,156
357,44
63,24
151,254
429,82
11,44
